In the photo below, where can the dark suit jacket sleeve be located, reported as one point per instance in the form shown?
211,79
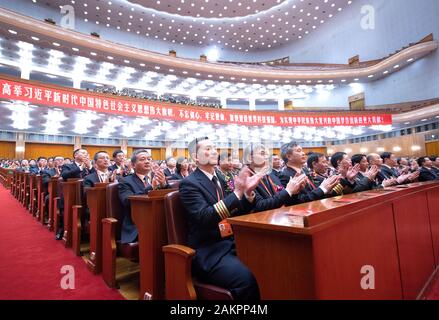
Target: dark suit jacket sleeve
88,182
70,171
126,190
308,196
199,210
363,184
276,201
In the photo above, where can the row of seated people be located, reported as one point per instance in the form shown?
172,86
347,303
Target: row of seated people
163,98
213,192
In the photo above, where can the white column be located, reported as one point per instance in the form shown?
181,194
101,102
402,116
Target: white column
25,73
252,103
281,104
224,102
77,83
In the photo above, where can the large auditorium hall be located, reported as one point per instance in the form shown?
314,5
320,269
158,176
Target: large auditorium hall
237,151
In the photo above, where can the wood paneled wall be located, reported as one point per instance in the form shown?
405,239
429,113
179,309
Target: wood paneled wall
93,149
403,142
7,150
35,150
432,148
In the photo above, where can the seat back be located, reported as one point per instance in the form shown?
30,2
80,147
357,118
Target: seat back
114,206
176,224
174,184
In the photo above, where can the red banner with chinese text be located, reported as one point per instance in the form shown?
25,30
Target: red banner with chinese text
76,99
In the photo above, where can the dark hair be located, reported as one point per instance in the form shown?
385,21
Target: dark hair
193,145
135,154
179,162
336,158
421,160
356,158
116,152
95,158
76,151
313,157
286,149
386,155
433,158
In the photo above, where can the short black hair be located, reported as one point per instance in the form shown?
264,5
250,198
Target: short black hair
421,160
313,157
76,151
356,158
286,149
136,153
386,155
336,157
116,152
193,145
95,158
433,158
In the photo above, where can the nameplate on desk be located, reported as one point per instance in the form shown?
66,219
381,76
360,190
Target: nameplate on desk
296,221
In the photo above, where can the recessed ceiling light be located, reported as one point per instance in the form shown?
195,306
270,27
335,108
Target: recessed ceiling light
35,38
56,44
126,61
93,53
157,67
110,57
142,64
75,49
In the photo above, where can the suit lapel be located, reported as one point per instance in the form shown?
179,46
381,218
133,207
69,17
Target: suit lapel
206,183
138,182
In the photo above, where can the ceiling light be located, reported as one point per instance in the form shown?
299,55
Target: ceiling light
56,44
12,31
35,38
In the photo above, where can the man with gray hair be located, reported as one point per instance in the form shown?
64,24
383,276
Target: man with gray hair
295,159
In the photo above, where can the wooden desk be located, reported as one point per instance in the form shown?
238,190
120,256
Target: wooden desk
148,213
317,250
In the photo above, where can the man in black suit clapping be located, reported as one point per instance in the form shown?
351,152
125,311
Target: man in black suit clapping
208,203
141,182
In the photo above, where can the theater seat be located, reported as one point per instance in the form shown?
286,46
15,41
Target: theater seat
111,231
178,259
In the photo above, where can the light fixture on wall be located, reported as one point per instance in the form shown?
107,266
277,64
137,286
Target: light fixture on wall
416,148
397,149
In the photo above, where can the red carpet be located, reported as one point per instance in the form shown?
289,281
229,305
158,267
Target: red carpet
31,261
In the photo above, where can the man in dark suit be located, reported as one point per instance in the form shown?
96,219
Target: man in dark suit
270,194
102,173
170,166
295,158
435,164
141,182
78,169
349,174
53,170
119,165
388,169
426,172
276,163
208,205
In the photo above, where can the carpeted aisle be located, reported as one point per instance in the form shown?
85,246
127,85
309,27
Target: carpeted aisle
31,260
